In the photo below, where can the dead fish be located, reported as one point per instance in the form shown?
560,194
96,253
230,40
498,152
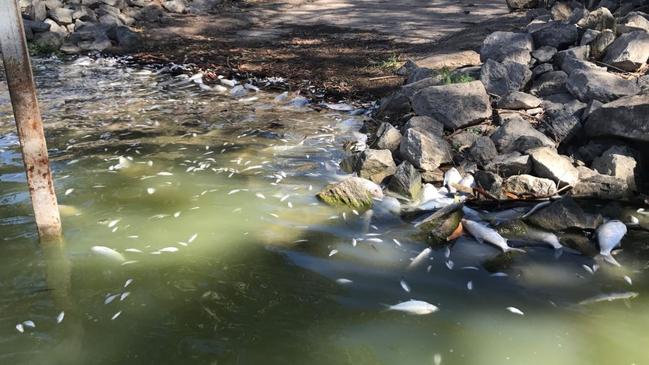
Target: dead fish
516,311
413,306
609,236
485,234
343,281
169,249
109,299
108,252
115,315
20,328
609,297
60,317
333,252
405,286
469,285
451,177
423,255
29,323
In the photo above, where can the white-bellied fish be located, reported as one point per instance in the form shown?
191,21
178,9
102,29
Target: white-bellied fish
413,306
108,253
609,236
451,177
609,297
483,233
423,255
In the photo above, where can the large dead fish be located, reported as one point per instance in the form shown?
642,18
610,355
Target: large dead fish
609,297
108,252
609,236
414,307
483,233
451,178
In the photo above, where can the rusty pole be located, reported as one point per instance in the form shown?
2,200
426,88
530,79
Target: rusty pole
28,121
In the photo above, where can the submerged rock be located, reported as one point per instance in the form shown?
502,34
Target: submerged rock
439,226
564,214
353,192
454,105
406,181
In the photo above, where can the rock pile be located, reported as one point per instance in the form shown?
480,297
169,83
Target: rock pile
557,108
74,26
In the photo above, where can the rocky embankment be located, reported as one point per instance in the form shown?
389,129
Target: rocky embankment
558,108
75,26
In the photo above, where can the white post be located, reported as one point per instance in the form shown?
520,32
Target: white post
28,121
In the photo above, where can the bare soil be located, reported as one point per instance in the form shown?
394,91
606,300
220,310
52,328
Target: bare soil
326,49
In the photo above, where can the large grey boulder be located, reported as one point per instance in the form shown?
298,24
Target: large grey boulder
502,78
455,105
556,34
510,164
376,165
483,151
564,214
34,10
587,85
48,41
529,186
387,137
620,162
353,192
406,181
412,88
629,52
553,82
563,116
625,117
507,46
514,128
598,19
549,164
427,125
518,100
424,152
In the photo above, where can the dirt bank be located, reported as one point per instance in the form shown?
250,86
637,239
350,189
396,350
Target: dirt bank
326,49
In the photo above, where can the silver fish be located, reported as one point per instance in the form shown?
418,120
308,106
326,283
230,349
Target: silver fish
609,236
452,177
485,234
405,286
108,252
609,297
414,307
423,255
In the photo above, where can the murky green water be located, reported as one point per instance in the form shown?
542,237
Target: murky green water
257,284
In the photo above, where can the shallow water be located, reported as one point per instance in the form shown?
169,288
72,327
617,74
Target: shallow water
257,284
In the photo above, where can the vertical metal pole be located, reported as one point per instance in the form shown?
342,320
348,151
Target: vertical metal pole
28,121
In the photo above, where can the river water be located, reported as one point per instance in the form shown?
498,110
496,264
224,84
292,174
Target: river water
230,259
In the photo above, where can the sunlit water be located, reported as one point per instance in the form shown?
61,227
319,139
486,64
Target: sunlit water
230,258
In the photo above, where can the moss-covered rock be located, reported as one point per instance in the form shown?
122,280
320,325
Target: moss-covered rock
436,228
353,192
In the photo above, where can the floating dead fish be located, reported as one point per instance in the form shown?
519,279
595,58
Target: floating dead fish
150,191
413,306
450,264
343,281
164,173
628,280
516,311
423,255
60,317
485,234
169,249
20,328
124,296
192,238
115,315
437,359
609,236
109,299
69,191
609,297
29,323
134,250
405,286
451,177
333,252
469,285
260,196
128,282
396,241
108,252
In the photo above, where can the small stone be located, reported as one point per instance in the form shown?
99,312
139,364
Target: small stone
589,36
541,69
353,192
174,6
514,128
406,181
549,164
388,137
507,46
427,125
522,4
618,161
601,43
483,151
490,182
562,120
61,15
556,34
432,177
524,186
424,152
463,140
518,100
553,82
393,107
544,54
450,61
376,165
599,19
510,164
502,78
629,52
